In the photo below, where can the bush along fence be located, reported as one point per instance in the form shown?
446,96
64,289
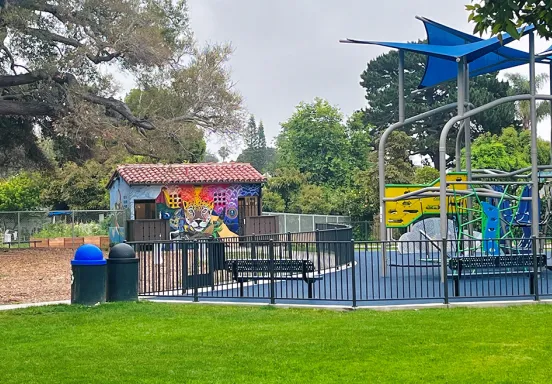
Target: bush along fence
327,266
61,229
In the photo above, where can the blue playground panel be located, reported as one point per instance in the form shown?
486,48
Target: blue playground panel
408,281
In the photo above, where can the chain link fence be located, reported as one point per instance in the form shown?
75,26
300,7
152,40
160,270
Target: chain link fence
296,222
61,229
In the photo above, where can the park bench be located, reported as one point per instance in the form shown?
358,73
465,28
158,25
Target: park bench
255,270
495,265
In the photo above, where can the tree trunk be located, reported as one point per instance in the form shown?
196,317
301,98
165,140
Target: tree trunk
435,160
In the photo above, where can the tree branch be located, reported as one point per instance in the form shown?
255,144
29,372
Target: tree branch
132,151
69,79
41,33
102,59
119,107
27,78
17,108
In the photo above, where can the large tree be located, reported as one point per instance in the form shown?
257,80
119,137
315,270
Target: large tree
496,16
380,80
55,63
507,151
520,85
256,152
314,140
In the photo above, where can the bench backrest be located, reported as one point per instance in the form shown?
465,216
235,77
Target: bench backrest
506,261
280,266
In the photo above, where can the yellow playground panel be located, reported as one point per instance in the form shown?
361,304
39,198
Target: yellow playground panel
402,213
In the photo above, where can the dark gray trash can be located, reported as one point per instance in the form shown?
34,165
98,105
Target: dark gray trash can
122,274
88,280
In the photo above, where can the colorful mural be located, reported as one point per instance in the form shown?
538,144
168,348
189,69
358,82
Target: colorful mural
209,209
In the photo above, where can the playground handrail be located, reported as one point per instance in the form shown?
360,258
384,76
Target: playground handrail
381,154
443,141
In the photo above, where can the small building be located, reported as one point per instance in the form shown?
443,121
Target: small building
214,199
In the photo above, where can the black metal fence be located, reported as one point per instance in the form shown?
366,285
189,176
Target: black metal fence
328,266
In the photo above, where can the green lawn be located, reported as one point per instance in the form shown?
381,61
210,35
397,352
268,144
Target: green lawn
147,342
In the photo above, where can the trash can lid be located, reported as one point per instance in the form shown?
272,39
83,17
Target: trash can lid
88,254
122,251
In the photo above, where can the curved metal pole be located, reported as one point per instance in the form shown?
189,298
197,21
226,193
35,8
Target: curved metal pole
434,191
381,156
443,142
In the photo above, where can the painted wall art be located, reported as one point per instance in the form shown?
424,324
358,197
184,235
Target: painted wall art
210,210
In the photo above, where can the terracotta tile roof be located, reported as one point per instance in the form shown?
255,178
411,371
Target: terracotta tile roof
200,173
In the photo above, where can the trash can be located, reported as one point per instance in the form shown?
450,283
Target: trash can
88,280
122,274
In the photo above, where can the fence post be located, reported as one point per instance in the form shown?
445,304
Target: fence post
19,230
73,229
289,246
353,271
317,242
195,271
444,276
535,274
271,271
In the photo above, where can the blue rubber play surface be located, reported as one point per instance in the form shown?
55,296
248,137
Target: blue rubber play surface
407,278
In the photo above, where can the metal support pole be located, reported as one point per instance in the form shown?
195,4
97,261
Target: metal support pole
19,230
195,270
444,277
383,232
353,272
271,271
73,229
467,144
550,80
381,158
401,86
534,157
535,274
458,148
467,128
461,82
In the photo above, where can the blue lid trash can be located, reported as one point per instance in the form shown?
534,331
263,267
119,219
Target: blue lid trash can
122,273
89,274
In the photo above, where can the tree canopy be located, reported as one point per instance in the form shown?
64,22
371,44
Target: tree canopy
256,151
55,63
496,16
314,140
508,151
521,85
380,80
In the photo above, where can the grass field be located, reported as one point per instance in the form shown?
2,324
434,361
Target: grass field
166,343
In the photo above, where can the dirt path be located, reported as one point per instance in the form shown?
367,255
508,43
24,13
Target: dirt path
35,275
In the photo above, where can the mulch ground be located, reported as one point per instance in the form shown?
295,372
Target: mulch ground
35,275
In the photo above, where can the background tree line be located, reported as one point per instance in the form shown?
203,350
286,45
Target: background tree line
63,129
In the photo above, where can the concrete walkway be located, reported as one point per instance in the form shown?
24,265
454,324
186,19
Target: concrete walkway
28,305
473,304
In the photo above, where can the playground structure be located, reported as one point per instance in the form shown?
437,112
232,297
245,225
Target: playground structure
492,213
